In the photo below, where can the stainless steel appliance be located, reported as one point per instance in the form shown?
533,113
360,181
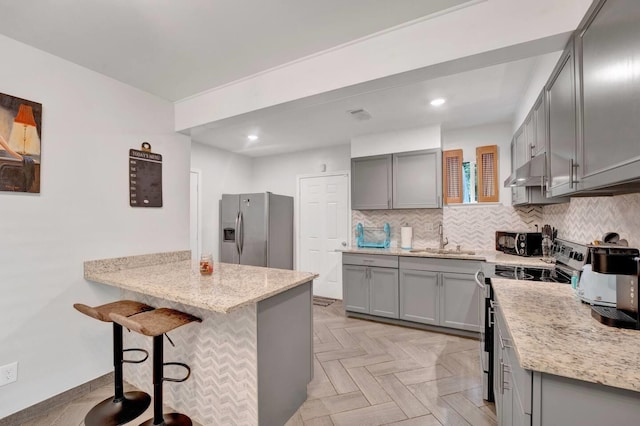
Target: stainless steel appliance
519,243
624,264
257,229
569,258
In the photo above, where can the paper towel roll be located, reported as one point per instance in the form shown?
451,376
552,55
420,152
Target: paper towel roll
406,236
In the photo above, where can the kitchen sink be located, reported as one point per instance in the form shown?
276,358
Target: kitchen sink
442,251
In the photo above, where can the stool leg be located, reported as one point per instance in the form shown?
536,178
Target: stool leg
170,419
122,407
117,362
158,361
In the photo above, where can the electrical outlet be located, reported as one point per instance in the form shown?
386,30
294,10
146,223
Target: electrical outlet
8,373
428,227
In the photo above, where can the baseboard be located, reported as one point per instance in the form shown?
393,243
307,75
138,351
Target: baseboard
426,327
63,398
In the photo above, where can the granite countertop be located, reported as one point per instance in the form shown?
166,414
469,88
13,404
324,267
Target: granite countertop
173,276
490,256
553,332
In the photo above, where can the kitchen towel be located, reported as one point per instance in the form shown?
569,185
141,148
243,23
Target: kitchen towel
406,236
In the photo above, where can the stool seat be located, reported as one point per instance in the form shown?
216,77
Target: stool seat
122,407
156,322
122,307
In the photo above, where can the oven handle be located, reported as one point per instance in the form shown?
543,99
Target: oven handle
479,280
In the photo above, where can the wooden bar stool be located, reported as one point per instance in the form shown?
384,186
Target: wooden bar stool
122,407
156,323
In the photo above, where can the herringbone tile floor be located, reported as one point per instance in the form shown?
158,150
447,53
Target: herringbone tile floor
367,373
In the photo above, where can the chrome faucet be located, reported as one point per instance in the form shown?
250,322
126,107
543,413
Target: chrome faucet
443,240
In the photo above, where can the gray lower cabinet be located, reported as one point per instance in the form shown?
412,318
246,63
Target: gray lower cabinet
371,179
440,292
419,296
531,398
370,284
417,177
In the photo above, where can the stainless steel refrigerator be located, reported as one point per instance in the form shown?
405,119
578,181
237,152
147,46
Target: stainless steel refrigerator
257,229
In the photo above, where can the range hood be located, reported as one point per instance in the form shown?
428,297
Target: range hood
531,173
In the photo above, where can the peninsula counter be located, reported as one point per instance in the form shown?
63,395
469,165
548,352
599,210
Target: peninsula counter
252,355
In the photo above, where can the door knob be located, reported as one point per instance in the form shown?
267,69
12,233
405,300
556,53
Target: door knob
344,244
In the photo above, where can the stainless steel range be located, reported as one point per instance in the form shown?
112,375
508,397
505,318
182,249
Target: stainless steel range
567,259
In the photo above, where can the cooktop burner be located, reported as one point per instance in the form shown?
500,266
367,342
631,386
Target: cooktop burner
555,275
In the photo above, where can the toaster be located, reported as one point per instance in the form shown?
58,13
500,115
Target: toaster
596,288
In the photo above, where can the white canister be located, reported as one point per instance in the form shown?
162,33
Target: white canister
406,237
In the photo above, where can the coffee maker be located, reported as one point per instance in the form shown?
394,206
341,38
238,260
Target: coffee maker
624,263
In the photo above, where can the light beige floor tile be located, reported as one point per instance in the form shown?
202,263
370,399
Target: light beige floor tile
468,410
313,408
407,402
424,374
319,421
295,420
370,416
345,402
363,361
340,354
427,394
395,366
341,380
345,338
427,420
369,386
320,390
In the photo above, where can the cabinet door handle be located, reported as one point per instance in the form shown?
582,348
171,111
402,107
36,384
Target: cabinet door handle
502,340
506,368
572,173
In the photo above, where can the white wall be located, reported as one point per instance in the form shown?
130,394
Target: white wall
396,141
221,172
540,73
277,173
469,138
89,124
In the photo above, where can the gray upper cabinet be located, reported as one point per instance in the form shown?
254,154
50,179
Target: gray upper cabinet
539,143
371,182
560,94
609,54
417,179
518,158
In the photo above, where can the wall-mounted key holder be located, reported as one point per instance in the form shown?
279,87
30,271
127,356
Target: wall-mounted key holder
145,177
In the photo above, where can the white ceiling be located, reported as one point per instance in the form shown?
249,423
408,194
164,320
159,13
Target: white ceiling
485,95
178,48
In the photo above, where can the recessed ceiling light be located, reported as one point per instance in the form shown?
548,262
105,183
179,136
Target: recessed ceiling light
438,102
252,137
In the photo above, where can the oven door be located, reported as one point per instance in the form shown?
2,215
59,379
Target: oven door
486,335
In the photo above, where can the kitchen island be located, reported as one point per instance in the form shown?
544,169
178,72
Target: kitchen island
556,365
252,355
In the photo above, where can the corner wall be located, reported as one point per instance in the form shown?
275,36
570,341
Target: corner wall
89,124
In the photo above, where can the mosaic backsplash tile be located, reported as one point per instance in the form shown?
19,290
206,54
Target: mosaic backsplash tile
472,227
586,219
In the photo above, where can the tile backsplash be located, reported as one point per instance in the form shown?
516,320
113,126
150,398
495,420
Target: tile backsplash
472,227
586,219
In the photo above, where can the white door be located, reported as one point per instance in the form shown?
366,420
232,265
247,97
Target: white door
323,227
194,214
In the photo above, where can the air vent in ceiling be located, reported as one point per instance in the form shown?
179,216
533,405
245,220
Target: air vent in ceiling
360,114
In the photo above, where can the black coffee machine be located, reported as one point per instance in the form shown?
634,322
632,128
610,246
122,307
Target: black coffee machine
623,262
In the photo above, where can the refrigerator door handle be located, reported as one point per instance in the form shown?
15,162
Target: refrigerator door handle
240,237
237,232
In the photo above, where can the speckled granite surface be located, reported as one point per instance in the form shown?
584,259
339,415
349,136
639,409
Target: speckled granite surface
490,256
228,288
553,332
119,263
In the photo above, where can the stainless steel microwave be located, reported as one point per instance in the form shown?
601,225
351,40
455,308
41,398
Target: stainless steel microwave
519,243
